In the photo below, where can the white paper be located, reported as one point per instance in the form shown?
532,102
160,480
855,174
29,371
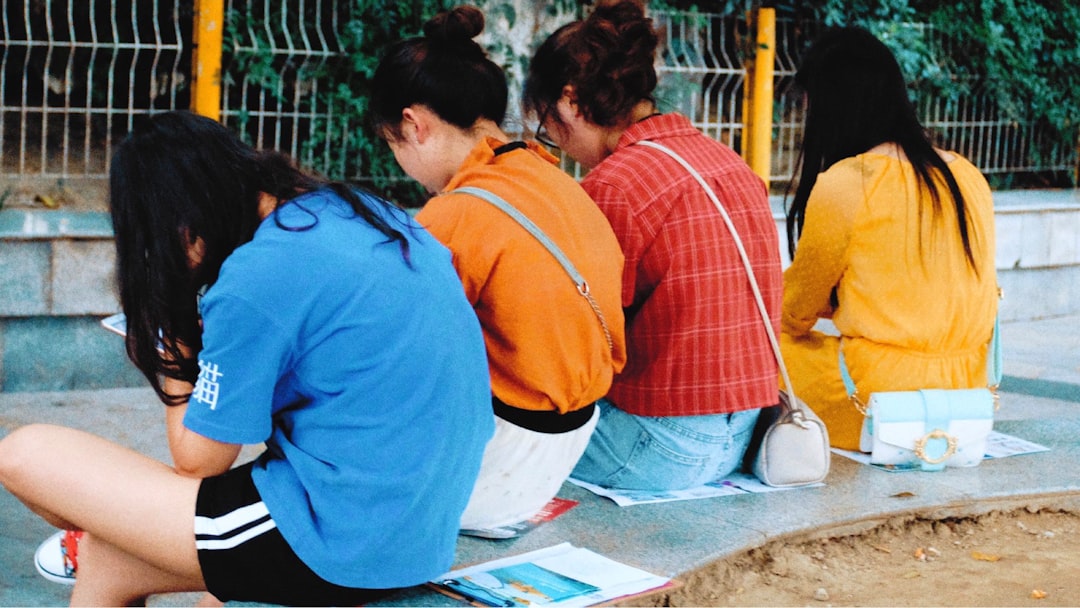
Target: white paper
998,445
116,323
736,483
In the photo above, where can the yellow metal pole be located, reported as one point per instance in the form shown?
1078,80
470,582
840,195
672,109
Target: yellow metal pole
748,92
758,152
206,60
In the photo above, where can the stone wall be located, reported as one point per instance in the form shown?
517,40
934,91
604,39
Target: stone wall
58,283
1038,253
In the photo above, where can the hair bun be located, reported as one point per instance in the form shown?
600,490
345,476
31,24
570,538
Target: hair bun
460,24
619,12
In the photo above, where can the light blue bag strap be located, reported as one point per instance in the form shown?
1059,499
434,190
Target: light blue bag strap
993,357
519,217
527,224
993,362
845,375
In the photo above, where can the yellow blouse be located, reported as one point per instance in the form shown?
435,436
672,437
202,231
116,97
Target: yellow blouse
913,313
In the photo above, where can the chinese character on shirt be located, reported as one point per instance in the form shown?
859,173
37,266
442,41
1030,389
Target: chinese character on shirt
207,386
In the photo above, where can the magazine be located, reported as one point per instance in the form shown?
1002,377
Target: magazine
518,585
554,508
734,484
562,575
998,445
116,323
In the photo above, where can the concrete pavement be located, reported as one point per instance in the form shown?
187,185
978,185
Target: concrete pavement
1040,403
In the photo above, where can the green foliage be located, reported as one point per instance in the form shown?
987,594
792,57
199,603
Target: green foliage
1023,53
1027,49
723,7
841,12
340,146
904,30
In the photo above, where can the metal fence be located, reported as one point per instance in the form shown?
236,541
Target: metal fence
971,124
706,52
700,67
74,75
277,88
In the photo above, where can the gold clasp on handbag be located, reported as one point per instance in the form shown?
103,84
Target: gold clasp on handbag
858,403
950,449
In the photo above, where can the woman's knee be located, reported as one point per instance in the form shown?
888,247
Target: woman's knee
17,454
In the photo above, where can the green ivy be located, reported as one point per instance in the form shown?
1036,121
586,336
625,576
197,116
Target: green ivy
343,147
1023,53
1026,50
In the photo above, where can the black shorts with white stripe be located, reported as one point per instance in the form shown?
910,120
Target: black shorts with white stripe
243,556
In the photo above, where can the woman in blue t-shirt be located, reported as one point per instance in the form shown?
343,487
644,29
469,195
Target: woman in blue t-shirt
265,305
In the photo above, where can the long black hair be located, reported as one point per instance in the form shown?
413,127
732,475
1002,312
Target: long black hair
444,70
181,181
856,99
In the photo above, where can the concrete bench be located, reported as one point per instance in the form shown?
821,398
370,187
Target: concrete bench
1040,403
675,538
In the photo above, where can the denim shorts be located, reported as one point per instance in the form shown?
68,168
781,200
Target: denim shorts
664,453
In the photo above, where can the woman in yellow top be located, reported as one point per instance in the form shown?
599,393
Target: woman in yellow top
895,242
439,102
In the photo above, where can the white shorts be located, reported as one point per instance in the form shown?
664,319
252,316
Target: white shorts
522,471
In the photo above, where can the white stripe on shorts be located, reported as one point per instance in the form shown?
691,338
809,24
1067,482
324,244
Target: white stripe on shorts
224,527
235,541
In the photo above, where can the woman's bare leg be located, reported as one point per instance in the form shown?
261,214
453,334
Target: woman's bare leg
110,576
137,512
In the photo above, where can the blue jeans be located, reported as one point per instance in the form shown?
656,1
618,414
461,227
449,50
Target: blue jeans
663,453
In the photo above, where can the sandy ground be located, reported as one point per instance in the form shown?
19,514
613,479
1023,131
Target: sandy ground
1018,558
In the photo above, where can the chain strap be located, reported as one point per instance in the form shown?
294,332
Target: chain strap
583,289
579,281
859,404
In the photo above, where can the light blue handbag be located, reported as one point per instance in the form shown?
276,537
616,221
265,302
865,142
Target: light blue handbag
932,428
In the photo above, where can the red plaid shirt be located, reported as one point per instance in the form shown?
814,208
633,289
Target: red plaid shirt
694,335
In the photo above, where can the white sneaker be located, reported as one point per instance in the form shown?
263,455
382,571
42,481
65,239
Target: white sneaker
57,558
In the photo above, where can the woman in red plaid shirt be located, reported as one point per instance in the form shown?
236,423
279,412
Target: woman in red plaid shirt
699,362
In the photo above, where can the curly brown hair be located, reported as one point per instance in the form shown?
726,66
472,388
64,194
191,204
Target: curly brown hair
608,58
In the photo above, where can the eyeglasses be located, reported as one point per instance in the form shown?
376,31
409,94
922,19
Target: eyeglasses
541,134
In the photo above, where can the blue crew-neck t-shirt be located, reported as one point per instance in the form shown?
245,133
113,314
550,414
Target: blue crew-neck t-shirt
366,377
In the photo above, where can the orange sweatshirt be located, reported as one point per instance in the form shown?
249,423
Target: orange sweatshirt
546,349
